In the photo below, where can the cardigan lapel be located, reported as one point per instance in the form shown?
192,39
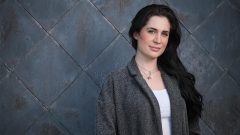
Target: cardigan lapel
171,87
133,69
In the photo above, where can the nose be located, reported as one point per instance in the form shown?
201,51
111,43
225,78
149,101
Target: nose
157,39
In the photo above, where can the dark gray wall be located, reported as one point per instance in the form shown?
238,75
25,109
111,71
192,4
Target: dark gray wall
55,55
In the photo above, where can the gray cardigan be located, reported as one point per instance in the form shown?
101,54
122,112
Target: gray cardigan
127,106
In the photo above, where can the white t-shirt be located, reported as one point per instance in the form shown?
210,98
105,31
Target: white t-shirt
165,110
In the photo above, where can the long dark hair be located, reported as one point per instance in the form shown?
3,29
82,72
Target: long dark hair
169,60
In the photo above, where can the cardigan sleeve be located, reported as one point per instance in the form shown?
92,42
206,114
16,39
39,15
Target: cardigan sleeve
105,114
194,126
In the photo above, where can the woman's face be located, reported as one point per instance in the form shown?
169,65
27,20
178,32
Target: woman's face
153,37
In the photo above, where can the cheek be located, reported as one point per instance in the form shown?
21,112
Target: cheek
145,36
166,41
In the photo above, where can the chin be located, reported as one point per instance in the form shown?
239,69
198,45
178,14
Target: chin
154,56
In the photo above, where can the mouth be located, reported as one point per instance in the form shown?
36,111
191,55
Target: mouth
154,48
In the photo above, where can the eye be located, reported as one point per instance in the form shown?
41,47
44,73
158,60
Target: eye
165,34
151,31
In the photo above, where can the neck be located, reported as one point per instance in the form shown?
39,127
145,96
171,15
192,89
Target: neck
146,63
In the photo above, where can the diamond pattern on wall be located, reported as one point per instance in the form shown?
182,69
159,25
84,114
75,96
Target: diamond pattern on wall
55,55
236,3
89,38
237,133
205,129
234,71
199,63
220,34
156,2
3,70
116,56
119,12
47,12
47,125
47,70
75,112
125,32
17,105
184,32
190,12
221,106
18,33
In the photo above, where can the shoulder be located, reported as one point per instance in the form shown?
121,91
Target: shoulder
117,74
114,81
116,77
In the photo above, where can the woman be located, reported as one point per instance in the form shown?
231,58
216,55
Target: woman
153,94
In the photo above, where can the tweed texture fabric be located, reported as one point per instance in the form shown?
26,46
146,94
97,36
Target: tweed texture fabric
127,106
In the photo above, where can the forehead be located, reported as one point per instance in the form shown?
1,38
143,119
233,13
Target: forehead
159,23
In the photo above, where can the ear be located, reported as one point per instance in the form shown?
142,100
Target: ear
135,35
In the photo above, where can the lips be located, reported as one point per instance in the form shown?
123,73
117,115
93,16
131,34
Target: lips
155,49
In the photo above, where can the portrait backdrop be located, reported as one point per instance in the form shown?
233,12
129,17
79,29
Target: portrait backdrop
55,55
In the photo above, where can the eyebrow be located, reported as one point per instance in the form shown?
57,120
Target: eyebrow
156,29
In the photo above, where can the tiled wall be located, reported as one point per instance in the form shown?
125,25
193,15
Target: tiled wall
55,54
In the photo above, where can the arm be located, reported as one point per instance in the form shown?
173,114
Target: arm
194,126
105,115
